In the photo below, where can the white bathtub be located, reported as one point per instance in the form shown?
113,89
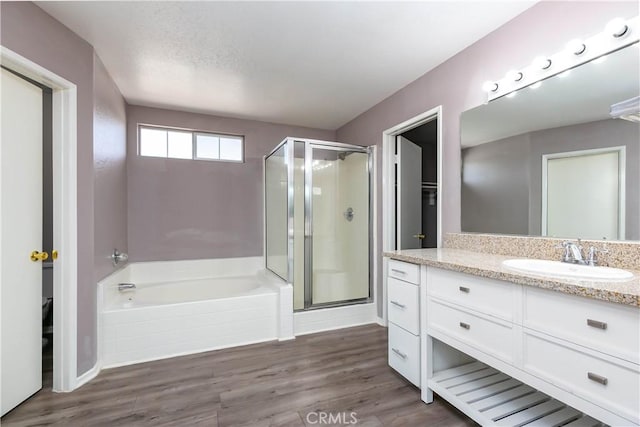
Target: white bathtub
184,307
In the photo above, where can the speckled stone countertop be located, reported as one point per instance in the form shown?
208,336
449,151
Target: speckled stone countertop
490,266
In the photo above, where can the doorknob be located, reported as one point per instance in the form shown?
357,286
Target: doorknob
419,236
39,256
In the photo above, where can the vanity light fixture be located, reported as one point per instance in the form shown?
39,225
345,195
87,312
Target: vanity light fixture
542,63
490,86
514,75
617,27
618,34
576,47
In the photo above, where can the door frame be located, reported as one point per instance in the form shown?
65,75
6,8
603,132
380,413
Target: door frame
309,146
65,212
622,173
389,191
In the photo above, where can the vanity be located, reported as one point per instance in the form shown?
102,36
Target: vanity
507,347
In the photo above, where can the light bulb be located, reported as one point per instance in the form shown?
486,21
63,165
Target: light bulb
536,85
542,62
512,95
564,74
617,27
490,86
514,75
576,47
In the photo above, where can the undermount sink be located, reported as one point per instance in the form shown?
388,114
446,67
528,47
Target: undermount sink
557,268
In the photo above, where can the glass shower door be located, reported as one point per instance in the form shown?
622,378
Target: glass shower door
337,225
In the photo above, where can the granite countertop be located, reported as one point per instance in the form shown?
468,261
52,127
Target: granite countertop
487,265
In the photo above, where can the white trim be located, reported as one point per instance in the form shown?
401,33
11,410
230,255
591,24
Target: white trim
65,213
622,174
380,321
388,185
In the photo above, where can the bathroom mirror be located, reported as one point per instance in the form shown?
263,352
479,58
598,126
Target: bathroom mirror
551,161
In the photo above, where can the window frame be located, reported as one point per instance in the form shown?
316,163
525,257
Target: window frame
194,148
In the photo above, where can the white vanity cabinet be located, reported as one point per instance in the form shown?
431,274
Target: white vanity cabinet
403,310
550,345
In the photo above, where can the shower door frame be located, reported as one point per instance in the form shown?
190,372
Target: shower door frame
309,144
308,220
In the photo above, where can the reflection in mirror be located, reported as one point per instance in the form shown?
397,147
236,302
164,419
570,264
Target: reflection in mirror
552,161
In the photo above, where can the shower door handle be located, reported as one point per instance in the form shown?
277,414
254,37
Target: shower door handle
348,214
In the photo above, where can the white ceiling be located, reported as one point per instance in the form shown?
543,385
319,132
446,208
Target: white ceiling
317,64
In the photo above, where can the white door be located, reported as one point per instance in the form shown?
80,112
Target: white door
582,204
409,195
20,234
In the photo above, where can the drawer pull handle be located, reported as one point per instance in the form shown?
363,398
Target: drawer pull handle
597,378
399,353
597,324
397,304
464,289
465,325
398,271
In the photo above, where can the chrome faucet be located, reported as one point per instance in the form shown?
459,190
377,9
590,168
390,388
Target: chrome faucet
573,253
126,287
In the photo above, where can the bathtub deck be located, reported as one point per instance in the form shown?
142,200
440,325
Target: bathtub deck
265,384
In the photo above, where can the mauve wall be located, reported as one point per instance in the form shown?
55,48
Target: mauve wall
502,183
495,187
456,84
110,170
191,209
29,31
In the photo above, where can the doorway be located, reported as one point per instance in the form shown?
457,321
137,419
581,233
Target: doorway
417,187
63,214
574,203
397,213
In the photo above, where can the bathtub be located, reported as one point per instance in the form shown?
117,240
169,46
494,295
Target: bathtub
185,307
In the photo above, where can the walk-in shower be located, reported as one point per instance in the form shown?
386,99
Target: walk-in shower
318,221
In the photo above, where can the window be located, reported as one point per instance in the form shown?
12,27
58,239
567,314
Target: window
183,144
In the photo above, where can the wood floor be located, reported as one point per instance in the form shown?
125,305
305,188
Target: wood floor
271,384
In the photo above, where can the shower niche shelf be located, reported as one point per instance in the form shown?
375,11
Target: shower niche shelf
492,398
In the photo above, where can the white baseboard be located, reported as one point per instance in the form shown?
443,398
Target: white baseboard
380,321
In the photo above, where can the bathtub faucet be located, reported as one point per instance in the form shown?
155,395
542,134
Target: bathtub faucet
126,287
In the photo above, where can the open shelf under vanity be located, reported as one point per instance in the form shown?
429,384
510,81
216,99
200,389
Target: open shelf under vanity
491,397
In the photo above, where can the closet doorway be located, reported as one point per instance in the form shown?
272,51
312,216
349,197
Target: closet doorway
411,186
416,180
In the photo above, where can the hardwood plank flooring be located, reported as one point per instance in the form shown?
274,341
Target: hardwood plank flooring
287,383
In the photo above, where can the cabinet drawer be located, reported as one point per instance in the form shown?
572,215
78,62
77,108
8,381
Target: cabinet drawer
491,336
403,307
488,296
596,379
603,326
404,353
404,271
